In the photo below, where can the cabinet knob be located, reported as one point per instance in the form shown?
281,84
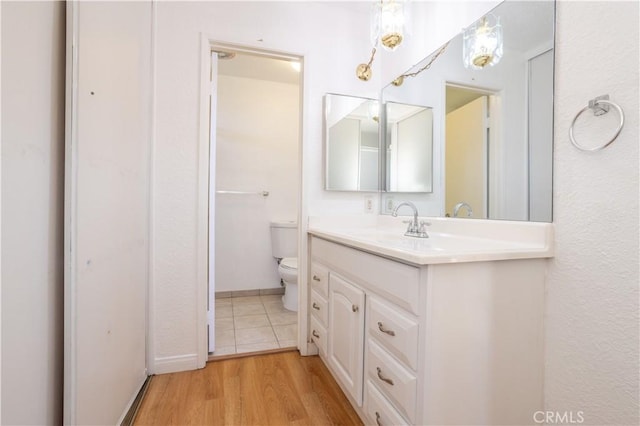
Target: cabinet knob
315,306
384,330
316,278
378,422
355,308
315,334
384,379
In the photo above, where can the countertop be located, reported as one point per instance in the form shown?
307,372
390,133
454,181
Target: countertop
450,240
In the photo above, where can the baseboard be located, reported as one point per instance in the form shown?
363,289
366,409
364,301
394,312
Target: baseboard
173,364
243,293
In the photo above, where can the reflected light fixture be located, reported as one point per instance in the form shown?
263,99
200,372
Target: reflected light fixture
374,111
482,43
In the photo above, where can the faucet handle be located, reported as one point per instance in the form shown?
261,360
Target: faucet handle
423,228
411,226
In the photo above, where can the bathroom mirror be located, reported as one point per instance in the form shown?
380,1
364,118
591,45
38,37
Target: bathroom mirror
492,127
409,148
351,143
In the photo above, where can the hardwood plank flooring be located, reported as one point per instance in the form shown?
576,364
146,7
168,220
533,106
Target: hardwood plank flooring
271,389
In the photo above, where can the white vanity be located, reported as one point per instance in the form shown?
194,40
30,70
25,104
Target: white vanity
444,330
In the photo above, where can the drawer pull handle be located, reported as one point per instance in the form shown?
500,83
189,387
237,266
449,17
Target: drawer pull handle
384,330
315,334
384,379
315,306
316,278
355,308
378,419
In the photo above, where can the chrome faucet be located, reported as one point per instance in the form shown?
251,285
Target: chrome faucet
458,206
415,228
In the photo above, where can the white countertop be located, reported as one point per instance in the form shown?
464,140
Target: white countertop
450,240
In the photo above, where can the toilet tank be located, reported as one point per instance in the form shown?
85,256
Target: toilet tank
284,239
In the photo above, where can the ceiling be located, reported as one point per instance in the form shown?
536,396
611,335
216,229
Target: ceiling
259,67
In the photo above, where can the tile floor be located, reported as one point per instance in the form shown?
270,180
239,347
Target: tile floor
252,324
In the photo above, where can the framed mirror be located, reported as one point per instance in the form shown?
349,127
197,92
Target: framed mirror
492,126
351,143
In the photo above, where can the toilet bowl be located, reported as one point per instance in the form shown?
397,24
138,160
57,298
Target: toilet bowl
284,247
288,271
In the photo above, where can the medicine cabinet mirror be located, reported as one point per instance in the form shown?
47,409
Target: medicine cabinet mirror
351,143
408,148
352,154
492,127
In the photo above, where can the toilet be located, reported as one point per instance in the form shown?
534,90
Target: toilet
284,247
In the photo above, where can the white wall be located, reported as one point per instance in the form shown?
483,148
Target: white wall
256,150
592,288
32,211
329,37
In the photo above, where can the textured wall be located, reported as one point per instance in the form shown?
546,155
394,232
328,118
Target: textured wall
592,301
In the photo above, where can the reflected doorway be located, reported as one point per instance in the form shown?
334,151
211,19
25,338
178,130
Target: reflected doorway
469,148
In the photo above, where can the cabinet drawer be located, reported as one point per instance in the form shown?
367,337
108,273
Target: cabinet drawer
319,335
379,411
396,330
319,308
393,280
397,383
319,279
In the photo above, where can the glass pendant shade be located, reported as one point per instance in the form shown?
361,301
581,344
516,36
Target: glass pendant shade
389,20
482,43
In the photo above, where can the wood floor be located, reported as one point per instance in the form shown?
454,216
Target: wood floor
272,389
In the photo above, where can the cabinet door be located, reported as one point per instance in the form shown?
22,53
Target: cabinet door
346,335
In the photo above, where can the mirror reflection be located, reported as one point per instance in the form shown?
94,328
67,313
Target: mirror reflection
492,125
409,143
351,143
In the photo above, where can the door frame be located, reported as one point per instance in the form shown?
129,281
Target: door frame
206,168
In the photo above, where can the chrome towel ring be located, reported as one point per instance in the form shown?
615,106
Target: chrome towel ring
600,106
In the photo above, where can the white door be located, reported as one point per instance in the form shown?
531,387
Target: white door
466,158
346,334
213,96
106,208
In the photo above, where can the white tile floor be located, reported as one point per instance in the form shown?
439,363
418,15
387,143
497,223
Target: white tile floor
253,324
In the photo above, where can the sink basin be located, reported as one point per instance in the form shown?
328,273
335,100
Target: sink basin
397,239
449,240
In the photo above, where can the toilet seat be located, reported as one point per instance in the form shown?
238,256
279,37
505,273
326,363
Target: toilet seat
289,263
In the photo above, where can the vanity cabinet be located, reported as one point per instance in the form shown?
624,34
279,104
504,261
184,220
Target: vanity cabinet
453,343
346,334
319,321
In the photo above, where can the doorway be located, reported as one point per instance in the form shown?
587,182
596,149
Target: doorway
255,111
469,148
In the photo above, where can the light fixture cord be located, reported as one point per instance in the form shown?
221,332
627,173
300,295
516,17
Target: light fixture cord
373,54
426,67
